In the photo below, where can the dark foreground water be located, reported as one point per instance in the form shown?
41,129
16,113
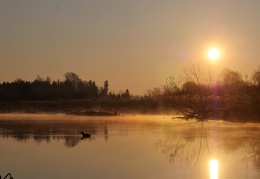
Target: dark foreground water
50,146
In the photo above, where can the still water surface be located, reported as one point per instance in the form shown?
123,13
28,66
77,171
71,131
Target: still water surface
50,146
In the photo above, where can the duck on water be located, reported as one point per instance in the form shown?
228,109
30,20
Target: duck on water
85,135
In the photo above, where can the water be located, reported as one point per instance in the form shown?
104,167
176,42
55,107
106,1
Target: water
50,146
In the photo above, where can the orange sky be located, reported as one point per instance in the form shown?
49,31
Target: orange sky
133,44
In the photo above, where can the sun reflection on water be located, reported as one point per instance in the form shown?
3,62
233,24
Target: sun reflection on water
213,168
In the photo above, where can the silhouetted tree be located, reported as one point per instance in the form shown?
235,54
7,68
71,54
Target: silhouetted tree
256,77
92,89
42,89
190,88
72,80
232,81
104,89
126,94
194,98
71,77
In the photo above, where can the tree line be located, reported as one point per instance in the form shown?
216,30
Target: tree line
72,87
198,93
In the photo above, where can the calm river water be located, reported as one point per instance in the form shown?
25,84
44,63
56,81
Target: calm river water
50,146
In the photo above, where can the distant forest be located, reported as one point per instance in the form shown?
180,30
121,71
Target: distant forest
198,93
46,89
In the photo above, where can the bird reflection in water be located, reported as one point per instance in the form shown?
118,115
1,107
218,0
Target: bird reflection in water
213,168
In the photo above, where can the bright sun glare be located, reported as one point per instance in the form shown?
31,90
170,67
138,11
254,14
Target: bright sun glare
213,53
213,169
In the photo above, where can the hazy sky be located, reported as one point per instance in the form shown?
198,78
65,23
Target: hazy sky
134,44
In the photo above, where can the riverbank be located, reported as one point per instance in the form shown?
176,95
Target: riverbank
94,107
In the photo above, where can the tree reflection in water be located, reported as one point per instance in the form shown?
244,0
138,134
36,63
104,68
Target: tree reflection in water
192,145
45,131
252,149
188,147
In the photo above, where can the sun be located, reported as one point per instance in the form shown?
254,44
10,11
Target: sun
213,53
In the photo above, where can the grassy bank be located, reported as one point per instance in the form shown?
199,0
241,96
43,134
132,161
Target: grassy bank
107,106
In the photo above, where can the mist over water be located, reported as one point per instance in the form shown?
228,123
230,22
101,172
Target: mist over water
50,146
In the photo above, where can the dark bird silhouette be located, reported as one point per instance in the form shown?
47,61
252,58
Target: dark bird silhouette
85,135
